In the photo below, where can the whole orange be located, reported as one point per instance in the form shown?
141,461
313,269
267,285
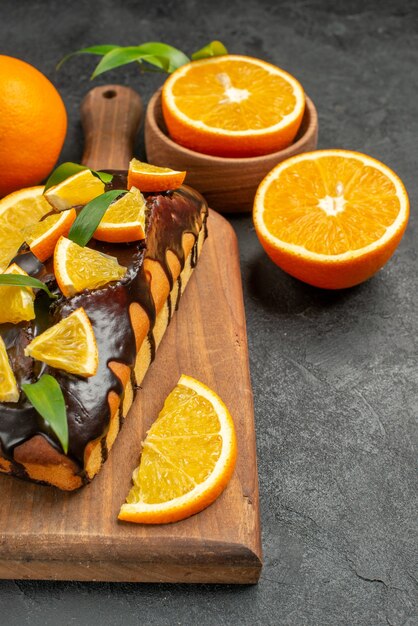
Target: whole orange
33,123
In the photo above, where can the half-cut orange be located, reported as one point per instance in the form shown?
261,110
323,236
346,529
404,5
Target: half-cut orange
331,218
232,106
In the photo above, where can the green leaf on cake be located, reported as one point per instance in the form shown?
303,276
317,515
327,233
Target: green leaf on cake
91,215
65,170
105,177
47,398
19,280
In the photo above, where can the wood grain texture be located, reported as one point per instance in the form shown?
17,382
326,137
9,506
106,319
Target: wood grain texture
49,534
111,116
228,184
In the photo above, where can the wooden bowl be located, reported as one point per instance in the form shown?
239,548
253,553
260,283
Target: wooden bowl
228,184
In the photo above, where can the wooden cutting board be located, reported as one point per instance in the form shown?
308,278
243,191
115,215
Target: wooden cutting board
49,534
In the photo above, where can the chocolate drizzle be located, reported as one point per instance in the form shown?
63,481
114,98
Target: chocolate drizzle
169,216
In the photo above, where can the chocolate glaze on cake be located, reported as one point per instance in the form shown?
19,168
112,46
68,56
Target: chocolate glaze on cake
169,216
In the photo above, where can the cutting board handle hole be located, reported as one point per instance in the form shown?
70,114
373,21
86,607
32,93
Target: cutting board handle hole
110,93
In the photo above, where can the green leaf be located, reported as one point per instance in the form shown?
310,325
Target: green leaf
98,50
170,58
65,170
161,55
19,280
47,398
105,177
90,216
213,49
116,58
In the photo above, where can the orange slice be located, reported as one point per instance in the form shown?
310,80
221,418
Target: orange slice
76,190
43,236
9,391
124,220
152,178
16,303
19,210
78,268
187,458
232,106
69,345
331,218
24,207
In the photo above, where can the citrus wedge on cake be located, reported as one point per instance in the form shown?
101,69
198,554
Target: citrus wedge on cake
147,177
76,190
77,268
331,218
187,458
124,220
43,236
69,345
9,391
19,210
16,303
232,106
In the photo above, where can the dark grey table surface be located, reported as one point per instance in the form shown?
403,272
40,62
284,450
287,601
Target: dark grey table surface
335,375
